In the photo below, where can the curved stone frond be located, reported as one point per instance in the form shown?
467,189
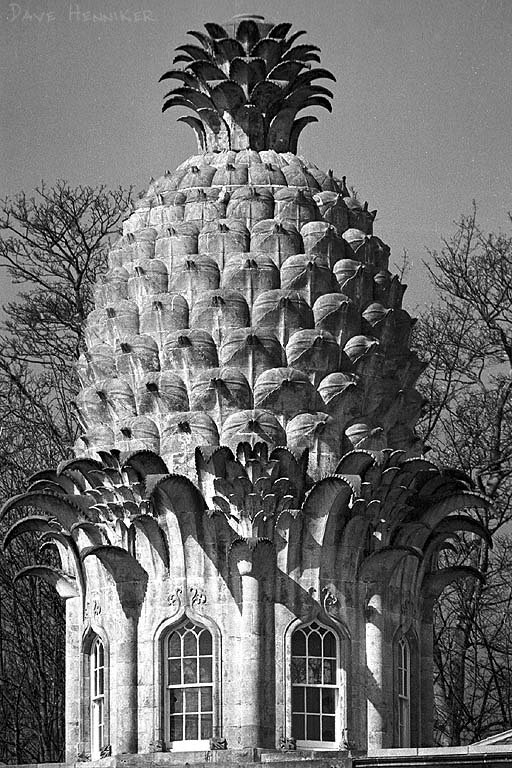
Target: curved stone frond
155,536
434,583
146,463
458,523
32,524
65,510
62,582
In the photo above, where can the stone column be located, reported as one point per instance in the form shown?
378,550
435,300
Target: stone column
426,677
125,693
251,652
375,699
73,678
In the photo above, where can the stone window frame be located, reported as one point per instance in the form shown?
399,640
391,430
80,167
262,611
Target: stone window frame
90,637
342,674
408,636
161,634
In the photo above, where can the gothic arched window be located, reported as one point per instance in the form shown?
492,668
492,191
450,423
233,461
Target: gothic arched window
97,679
188,683
315,685
404,692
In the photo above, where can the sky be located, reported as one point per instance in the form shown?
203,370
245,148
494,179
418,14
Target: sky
421,111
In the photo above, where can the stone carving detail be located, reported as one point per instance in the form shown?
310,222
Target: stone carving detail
253,490
329,598
195,596
245,119
174,598
92,608
157,746
409,608
287,744
217,742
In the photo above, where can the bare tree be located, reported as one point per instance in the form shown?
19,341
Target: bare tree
467,340
54,246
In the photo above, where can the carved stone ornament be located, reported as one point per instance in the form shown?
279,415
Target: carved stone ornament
174,598
157,746
195,596
329,598
92,607
217,742
287,744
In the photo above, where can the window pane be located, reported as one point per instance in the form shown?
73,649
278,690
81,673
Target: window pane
101,681
205,643
313,728
174,646
330,671
101,654
315,644
313,699
298,643
191,727
190,645
206,700
176,700
318,698
328,729
176,729
298,727
189,707
329,645
205,670
190,670
298,698
328,700
191,699
206,726
174,671
314,671
298,670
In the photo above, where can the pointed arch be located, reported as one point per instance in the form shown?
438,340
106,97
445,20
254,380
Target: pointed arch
95,698
406,688
187,654
316,682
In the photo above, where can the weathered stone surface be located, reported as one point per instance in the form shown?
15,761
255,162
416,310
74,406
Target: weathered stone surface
249,471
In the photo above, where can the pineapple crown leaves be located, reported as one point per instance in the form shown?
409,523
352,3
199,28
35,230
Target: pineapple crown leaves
247,90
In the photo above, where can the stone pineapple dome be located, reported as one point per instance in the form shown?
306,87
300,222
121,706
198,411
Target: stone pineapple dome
248,299
249,471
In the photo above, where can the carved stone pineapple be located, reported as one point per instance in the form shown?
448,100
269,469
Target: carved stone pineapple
248,299
248,471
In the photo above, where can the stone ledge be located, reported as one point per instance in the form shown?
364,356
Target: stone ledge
491,756
481,756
